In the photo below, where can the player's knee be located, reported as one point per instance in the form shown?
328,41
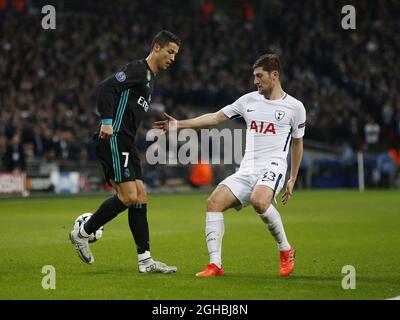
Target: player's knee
141,192
128,199
213,205
260,205
142,198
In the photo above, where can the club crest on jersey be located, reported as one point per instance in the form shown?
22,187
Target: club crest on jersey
127,173
279,115
120,76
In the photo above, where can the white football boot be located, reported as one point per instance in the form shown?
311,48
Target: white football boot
150,266
81,244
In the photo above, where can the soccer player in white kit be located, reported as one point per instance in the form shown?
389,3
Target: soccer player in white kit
275,122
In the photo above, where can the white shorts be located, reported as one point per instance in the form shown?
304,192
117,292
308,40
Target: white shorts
243,182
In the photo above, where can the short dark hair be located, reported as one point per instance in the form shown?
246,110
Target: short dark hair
164,37
269,62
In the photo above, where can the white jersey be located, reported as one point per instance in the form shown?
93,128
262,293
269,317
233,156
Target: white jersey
270,126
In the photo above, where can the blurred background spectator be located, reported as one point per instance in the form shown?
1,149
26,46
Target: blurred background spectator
347,163
303,175
14,155
201,175
386,168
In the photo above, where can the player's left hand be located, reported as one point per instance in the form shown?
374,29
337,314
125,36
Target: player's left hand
106,131
289,191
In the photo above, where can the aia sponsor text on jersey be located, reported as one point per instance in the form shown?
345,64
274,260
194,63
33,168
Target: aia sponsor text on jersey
262,127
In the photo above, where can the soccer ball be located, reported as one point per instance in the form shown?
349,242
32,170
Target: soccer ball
81,220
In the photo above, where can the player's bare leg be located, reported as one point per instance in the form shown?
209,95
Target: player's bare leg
220,200
127,192
261,199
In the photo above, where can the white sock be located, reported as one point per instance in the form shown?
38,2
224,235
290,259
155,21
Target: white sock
274,222
144,256
214,233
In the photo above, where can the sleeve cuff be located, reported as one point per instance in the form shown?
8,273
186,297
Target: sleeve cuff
229,112
107,121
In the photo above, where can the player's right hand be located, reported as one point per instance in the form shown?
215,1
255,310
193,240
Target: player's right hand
289,191
166,125
106,131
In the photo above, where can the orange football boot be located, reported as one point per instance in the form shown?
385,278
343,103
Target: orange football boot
287,262
211,270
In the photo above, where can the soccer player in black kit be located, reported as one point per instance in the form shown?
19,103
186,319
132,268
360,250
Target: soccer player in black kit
123,101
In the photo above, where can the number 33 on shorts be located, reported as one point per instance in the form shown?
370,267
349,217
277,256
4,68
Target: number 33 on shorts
269,176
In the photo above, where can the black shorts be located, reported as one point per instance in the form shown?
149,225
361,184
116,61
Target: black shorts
119,158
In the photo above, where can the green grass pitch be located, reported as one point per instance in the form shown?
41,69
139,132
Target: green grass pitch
329,229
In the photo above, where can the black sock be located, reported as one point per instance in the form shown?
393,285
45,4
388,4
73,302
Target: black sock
106,212
137,216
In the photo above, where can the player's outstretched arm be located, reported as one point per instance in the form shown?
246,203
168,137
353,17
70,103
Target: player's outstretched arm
204,121
296,154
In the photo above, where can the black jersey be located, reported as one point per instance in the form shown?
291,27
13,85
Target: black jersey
124,97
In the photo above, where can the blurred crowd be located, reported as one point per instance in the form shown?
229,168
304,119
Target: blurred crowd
347,79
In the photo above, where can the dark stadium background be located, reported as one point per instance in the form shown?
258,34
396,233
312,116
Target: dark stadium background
347,79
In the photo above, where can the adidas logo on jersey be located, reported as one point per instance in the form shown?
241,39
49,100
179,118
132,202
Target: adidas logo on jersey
263,127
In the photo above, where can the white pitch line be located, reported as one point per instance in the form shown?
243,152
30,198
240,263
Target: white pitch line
395,298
